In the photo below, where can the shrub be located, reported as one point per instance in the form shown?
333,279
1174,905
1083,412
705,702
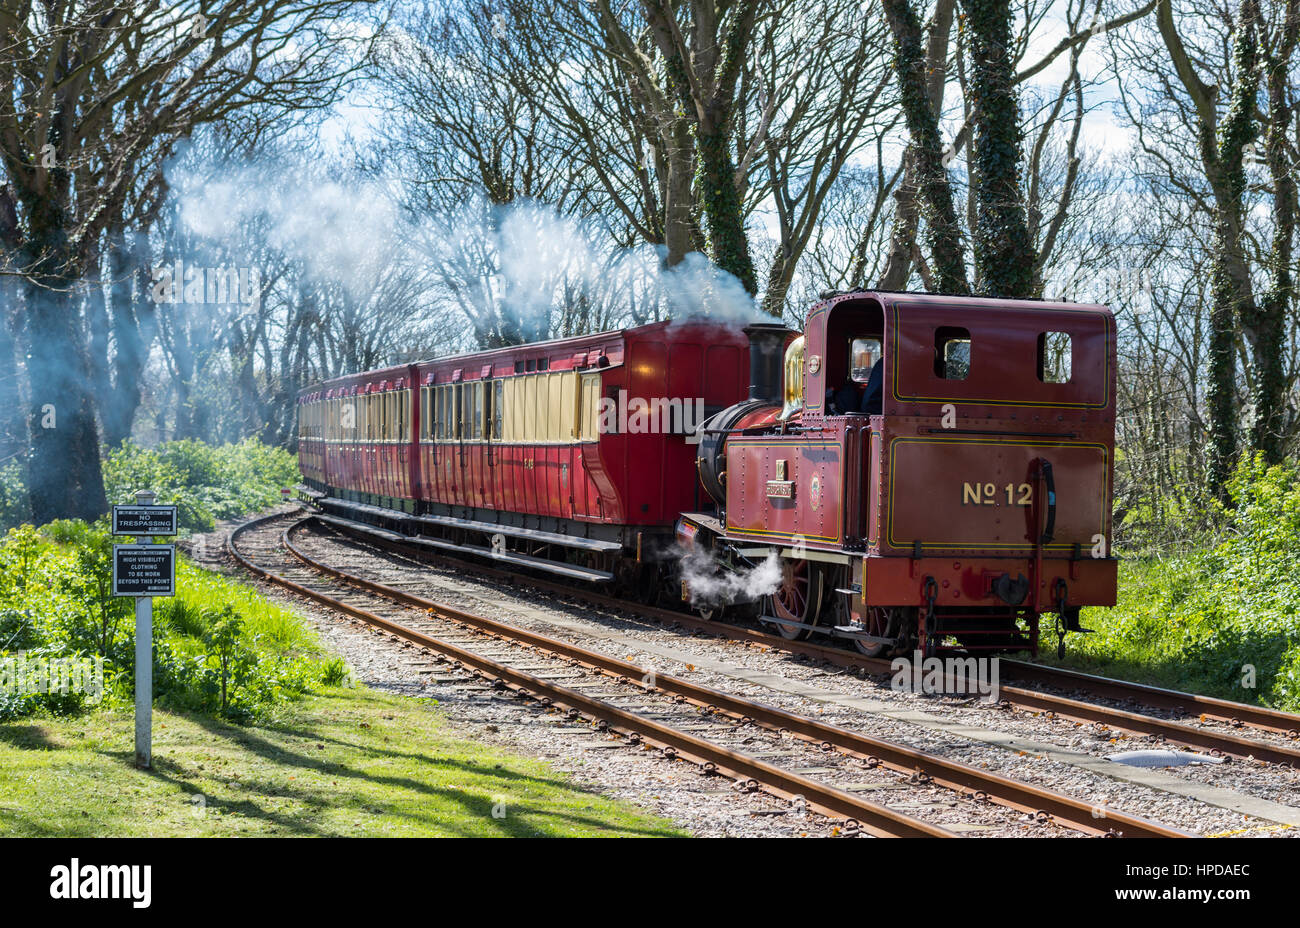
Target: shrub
219,647
1224,619
234,659
205,482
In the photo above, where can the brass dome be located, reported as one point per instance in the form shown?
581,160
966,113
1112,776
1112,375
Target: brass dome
794,366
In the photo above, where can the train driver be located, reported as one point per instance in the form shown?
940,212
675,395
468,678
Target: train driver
867,364
873,394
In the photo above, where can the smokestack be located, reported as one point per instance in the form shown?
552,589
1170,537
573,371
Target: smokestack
766,352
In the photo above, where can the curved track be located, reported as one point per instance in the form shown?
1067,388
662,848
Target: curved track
1278,727
274,559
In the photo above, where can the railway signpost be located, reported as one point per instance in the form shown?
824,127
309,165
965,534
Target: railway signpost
144,570
144,520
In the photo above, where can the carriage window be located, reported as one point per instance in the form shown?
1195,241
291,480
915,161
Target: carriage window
951,353
456,412
589,408
467,411
1055,357
497,404
863,355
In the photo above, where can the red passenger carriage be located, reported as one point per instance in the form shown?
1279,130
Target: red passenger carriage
572,456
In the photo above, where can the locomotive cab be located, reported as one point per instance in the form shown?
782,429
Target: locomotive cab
846,360
853,369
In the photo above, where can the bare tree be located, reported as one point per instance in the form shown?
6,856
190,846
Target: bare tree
90,89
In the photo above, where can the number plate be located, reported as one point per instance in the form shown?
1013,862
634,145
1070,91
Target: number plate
780,489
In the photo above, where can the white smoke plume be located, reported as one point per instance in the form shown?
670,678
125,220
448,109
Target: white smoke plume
339,230
709,584
522,261
537,261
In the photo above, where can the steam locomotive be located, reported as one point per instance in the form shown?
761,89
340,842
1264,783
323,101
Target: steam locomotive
911,472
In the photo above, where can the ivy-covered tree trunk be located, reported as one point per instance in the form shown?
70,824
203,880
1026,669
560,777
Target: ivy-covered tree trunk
1004,255
1270,325
943,235
1222,152
724,219
703,47
723,212
907,208
680,226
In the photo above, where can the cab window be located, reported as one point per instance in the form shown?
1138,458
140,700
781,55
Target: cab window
952,354
863,355
1055,357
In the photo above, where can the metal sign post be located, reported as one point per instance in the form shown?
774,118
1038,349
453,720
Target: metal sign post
144,570
144,682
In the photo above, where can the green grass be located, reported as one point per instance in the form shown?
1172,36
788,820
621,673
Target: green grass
275,628
1218,613
340,762
1181,626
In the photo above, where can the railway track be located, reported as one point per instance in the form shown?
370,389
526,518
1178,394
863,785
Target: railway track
642,705
1278,727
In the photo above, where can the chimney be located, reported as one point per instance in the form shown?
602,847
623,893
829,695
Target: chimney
766,352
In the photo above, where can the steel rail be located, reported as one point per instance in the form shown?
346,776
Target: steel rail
828,800
962,778
1042,804
1237,714
1077,710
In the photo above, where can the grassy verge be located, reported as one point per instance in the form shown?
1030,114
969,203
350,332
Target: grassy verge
1220,614
339,762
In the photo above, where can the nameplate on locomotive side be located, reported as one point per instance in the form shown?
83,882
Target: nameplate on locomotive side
780,489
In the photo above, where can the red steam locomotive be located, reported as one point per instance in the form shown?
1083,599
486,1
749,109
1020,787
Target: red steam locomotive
913,471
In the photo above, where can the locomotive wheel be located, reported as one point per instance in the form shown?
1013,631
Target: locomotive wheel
883,622
798,598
